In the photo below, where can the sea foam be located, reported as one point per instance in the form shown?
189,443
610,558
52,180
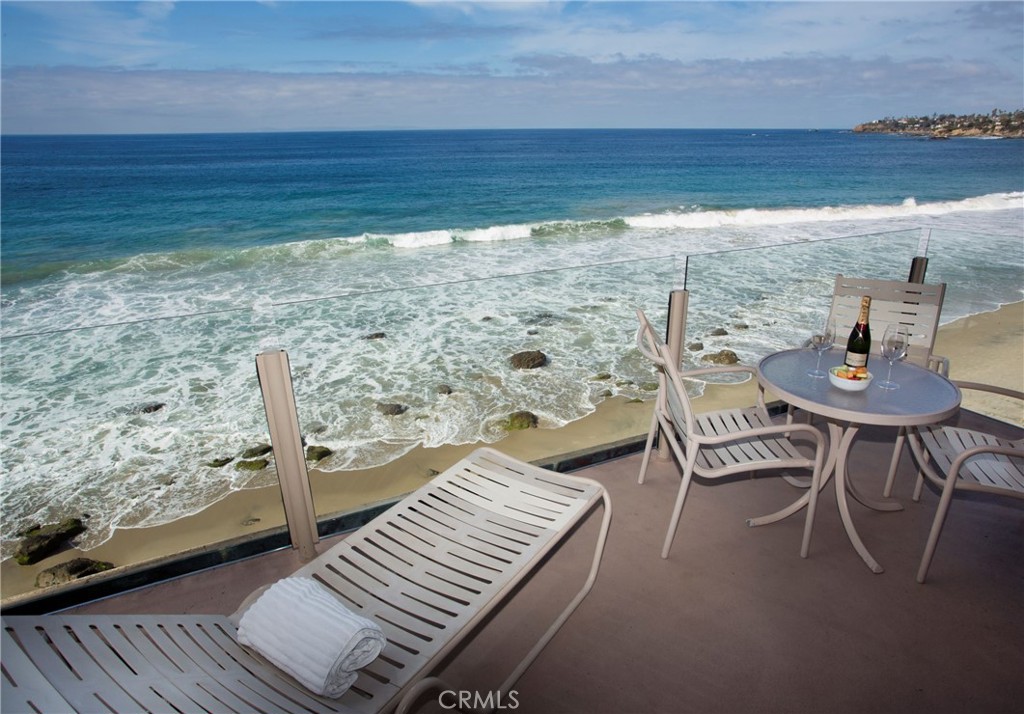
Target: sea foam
449,317
750,217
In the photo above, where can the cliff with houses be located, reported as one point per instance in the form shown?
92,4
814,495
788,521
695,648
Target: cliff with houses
997,123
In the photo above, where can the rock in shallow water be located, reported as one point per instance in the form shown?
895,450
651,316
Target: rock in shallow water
528,359
252,465
316,453
721,357
256,451
521,420
40,542
391,408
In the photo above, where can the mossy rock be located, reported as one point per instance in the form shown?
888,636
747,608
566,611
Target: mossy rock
252,465
40,542
71,570
316,453
721,357
517,421
256,451
218,463
649,387
601,377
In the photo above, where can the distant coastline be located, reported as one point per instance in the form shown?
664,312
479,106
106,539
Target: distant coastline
997,124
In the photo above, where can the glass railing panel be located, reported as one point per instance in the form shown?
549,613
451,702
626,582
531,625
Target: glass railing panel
129,427
147,426
765,299
982,271
756,301
982,316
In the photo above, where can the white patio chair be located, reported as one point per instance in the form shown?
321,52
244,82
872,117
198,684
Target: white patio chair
722,443
429,571
916,306
961,459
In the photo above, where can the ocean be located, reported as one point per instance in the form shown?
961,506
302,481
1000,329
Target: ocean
141,274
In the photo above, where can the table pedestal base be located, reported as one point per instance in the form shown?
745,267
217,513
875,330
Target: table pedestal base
840,441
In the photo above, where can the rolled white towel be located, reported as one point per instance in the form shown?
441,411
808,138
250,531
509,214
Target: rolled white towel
308,633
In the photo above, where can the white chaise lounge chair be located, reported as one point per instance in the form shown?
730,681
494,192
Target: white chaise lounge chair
428,571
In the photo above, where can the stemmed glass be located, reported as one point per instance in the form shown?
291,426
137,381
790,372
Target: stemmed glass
894,347
822,339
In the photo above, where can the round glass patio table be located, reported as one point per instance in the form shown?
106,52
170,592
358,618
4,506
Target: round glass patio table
924,397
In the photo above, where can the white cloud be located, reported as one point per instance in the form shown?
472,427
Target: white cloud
118,34
521,64
553,90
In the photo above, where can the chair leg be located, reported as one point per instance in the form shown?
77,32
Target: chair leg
595,564
897,454
919,486
812,503
940,519
677,511
650,444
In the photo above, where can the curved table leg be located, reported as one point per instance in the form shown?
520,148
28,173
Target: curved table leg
797,481
872,503
795,506
842,486
836,435
782,514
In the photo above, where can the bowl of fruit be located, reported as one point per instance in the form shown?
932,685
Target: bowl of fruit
852,379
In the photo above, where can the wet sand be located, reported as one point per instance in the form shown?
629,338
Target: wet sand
988,348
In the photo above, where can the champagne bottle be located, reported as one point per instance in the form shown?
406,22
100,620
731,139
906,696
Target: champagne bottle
858,347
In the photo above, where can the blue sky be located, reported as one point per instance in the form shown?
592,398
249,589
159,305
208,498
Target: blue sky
129,67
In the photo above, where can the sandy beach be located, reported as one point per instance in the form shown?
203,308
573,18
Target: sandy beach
987,348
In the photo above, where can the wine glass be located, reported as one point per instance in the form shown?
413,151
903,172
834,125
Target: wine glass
822,339
894,347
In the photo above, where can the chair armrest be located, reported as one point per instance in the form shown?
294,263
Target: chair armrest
954,468
940,364
991,388
725,369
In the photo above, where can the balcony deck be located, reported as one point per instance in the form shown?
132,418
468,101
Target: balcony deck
735,621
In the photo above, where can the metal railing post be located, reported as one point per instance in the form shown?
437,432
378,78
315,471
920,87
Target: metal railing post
919,265
675,333
678,300
283,420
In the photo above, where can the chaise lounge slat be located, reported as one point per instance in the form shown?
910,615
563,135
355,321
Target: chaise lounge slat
25,688
427,571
